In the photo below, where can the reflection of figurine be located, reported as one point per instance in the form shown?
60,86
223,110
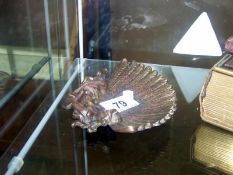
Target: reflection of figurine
137,153
212,147
155,98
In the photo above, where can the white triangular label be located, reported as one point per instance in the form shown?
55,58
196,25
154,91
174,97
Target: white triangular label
200,39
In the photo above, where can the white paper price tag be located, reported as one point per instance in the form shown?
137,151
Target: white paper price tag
122,103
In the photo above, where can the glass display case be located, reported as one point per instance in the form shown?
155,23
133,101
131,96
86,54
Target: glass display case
49,47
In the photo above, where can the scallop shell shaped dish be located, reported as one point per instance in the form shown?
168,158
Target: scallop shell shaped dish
156,98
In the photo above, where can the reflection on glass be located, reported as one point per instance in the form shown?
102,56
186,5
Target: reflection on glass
4,77
156,148
113,153
190,80
213,148
200,39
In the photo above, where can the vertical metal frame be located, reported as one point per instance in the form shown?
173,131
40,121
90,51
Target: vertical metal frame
17,162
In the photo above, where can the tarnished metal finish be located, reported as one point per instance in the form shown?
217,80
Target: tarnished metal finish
87,113
156,98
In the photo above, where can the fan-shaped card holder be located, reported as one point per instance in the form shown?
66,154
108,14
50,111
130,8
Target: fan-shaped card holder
152,99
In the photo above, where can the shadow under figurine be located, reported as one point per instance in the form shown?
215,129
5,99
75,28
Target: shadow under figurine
155,97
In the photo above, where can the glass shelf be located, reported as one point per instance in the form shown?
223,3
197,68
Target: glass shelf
166,149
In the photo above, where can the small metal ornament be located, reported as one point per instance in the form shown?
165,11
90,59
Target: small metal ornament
155,97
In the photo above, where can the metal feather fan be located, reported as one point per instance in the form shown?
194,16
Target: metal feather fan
155,99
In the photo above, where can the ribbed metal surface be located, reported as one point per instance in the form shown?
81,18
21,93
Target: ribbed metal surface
217,104
214,148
